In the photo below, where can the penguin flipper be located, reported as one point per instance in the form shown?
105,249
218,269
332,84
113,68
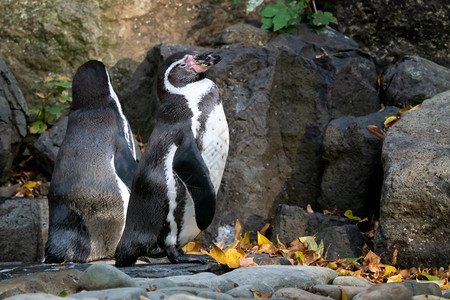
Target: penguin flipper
124,163
189,166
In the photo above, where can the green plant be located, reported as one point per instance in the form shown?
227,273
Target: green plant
55,101
280,16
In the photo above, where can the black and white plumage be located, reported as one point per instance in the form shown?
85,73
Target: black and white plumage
92,178
174,190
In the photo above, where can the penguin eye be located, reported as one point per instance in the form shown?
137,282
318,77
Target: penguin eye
182,65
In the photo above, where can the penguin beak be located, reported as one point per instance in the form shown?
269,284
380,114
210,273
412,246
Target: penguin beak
202,62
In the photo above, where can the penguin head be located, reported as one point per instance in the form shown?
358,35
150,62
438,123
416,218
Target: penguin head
91,86
183,68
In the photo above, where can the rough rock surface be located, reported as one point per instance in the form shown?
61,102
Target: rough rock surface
23,229
353,174
278,100
341,238
414,79
50,283
13,114
46,148
415,201
388,30
55,36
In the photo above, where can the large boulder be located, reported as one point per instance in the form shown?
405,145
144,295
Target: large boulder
278,100
414,79
415,201
23,229
353,174
388,30
13,115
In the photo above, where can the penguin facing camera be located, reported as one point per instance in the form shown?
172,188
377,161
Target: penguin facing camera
173,195
91,181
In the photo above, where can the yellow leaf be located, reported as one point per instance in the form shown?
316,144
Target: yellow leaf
349,214
389,269
263,240
390,119
280,244
416,107
217,254
332,266
233,256
445,287
395,278
246,239
221,244
267,248
343,295
192,247
30,185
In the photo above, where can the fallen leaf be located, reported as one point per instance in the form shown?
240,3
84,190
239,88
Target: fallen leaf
349,214
394,257
372,261
377,131
264,229
389,269
343,295
246,262
192,247
246,239
237,231
258,294
395,278
309,209
233,257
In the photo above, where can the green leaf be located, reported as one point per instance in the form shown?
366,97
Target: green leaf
64,83
237,1
430,277
266,23
322,18
63,294
353,260
65,98
269,11
49,85
55,110
37,127
349,214
34,111
252,5
282,18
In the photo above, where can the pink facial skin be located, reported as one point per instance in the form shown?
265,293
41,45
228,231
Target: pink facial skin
191,63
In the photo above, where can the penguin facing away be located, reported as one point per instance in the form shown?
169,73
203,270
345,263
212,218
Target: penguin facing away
92,178
173,195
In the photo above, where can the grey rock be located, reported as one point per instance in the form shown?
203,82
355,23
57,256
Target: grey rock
379,27
414,79
244,34
446,294
297,294
46,148
385,291
282,276
184,290
351,281
291,222
154,283
7,191
342,241
204,279
104,276
335,291
242,291
215,296
353,175
422,288
128,293
426,297
49,283
23,229
156,295
35,296
415,199
184,297
250,290
13,115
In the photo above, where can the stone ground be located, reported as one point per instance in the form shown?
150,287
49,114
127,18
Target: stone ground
162,280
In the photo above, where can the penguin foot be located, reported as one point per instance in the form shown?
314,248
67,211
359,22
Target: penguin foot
177,256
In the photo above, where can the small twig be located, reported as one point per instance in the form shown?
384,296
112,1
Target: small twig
314,6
